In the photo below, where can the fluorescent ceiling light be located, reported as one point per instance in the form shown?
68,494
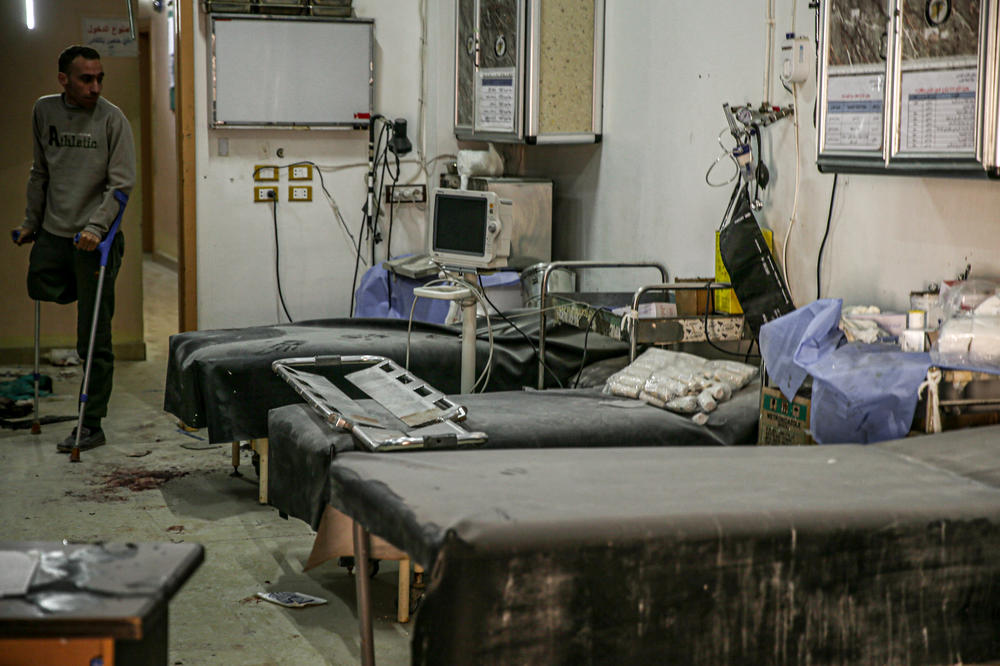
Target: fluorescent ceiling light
29,14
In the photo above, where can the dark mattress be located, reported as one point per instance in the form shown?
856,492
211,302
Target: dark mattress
302,445
887,553
222,379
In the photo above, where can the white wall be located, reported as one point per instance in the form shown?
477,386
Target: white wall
640,194
235,238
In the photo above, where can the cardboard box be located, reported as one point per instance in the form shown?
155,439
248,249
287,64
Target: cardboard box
784,423
725,299
691,301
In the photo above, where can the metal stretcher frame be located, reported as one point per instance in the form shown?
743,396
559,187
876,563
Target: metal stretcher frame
645,330
543,294
434,420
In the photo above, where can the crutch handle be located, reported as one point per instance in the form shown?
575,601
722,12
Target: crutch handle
16,235
105,245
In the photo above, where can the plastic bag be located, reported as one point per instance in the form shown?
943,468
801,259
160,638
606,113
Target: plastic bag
630,381
734,373
969,341
683,383
687,404
964,296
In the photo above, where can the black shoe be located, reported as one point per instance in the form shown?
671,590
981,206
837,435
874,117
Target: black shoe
89,439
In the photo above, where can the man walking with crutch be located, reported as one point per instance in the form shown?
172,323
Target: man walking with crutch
83,153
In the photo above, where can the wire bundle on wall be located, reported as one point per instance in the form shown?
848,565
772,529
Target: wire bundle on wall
333,205
390,138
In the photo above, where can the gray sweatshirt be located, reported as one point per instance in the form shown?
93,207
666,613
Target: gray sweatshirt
81,156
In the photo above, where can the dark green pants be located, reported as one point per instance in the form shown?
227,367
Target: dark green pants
60,273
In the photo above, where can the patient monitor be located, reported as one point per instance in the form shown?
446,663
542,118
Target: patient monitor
470,229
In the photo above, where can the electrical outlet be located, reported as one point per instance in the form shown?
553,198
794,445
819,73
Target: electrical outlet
265,193
300,193
300,172
405,193
265,172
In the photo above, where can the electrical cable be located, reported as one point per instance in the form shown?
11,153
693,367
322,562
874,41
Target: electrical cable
422,81
322,183
379,182
795,198
357,261
826,234
330,199
710,307
583,358
277,262
388,255
534,348
367,220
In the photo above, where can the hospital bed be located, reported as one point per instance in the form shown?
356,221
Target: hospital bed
222,380
302,446
887,553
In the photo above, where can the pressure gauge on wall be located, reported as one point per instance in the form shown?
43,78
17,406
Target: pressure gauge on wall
937,12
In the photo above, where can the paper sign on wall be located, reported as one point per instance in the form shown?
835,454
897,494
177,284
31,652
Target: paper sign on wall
110,37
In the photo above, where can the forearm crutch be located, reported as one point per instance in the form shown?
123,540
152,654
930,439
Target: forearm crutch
36,425
104,247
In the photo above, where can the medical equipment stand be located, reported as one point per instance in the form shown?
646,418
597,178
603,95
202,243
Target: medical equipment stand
104,247
464,297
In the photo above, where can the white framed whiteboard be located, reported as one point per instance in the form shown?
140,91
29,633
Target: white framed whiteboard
291,72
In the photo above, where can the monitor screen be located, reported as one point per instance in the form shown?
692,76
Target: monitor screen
460,224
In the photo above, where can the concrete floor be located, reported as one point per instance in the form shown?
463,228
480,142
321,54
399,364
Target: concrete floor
215,618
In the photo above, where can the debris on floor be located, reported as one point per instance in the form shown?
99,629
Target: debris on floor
138,479
23,388
24,424
63,357
139,454
200,447
291,599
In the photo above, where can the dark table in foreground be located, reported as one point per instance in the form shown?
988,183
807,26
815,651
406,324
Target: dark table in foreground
888,553
111,597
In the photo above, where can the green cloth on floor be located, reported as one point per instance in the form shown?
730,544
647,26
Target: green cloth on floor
23,388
